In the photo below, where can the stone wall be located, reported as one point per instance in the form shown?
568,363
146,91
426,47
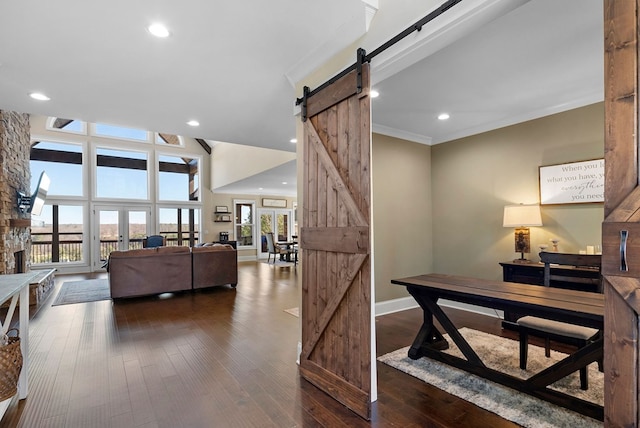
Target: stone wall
15,176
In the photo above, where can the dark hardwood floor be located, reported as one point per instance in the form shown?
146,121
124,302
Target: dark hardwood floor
217,358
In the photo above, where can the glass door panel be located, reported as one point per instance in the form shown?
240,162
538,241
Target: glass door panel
283,226
118,228
137,228
109,238
266,226
277,221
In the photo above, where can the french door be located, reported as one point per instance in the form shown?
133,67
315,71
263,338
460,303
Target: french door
278,221
118,228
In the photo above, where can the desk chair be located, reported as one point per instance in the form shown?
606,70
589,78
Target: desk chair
570,334
154,241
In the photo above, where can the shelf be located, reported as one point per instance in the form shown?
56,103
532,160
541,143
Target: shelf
20,222
222,217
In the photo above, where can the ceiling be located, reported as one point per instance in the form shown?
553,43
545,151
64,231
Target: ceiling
232,65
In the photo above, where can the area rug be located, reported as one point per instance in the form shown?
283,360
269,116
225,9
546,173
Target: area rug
502,354
90,290
293,311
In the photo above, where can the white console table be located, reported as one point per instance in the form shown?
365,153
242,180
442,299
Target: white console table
15,288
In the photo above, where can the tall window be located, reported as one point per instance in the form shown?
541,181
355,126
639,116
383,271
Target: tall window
169,139
121,174
111,168
180,225
67,125
62,163
120,132
178,178
56,234
244,214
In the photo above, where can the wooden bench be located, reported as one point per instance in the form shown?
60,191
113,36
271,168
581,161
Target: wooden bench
571,306
41,285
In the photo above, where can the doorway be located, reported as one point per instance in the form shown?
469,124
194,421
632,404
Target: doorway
118,228
278,221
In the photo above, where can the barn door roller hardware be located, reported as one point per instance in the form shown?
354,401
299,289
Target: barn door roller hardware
362,57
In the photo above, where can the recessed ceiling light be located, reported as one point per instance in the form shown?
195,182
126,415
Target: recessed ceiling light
443,116
374,93
39,96
284,182
193,123
158,30
293,140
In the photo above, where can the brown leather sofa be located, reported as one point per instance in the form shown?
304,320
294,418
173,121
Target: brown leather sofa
214,265
169,269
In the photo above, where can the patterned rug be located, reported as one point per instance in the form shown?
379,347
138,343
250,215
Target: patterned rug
502,354
90,290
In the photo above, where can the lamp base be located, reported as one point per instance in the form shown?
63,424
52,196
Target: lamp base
522,259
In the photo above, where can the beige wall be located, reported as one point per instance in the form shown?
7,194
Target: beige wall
402,230
213,229
473,178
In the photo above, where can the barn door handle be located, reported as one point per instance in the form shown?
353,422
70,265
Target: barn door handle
623,250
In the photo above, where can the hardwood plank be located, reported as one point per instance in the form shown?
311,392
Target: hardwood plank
341,90
621,100
352,239
620,360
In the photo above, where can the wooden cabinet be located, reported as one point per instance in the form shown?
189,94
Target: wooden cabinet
533,273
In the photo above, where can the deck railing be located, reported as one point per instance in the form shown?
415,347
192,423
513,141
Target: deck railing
71,250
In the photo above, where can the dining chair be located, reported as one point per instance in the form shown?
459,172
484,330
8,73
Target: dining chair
548,330
272,247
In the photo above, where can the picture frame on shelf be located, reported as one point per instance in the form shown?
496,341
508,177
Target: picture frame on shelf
225,217
222,209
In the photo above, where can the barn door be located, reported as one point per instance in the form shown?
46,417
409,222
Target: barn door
621,228
335,242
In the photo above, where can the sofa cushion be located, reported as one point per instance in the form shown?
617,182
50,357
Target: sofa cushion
149,252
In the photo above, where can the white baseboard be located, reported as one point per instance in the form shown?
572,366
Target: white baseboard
247,258
404,303
395,305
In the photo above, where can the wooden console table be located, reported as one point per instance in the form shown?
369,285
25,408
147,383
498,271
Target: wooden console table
533,273
14,288
577,307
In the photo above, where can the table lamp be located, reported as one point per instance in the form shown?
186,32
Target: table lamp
521,217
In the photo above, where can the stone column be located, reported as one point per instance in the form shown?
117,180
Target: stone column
15,175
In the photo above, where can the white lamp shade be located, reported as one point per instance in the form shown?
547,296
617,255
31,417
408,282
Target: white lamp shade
522,215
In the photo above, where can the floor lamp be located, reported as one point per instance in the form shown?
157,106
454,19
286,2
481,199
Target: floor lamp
522,217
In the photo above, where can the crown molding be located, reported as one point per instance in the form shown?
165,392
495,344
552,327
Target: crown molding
404,135
461,20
